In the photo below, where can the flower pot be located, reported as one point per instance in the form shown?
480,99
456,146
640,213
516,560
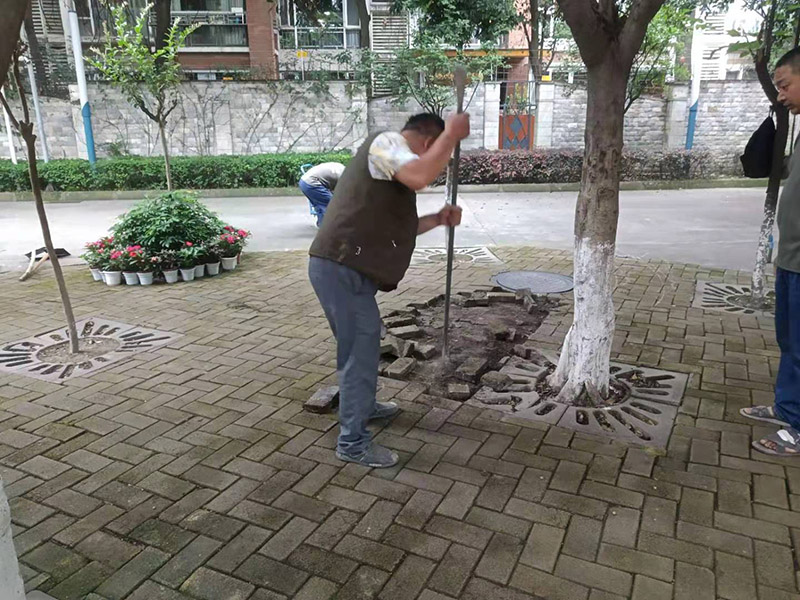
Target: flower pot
212,268
228,263
145,278
97,274
200,271
130,278
187,274
171,276
112,277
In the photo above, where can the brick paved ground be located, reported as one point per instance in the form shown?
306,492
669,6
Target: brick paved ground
192,472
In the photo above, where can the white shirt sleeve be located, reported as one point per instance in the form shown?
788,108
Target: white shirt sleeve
388,153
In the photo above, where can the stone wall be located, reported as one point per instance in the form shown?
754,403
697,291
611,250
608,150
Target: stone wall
280,116
645,121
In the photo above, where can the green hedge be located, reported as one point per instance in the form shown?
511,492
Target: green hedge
147,173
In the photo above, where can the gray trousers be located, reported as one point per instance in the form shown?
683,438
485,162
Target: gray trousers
348,299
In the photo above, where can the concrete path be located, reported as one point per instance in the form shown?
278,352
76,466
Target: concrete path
713,227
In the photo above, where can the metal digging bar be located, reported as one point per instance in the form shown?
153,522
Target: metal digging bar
460,81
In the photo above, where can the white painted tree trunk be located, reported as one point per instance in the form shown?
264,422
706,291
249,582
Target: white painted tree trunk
11,587
585,356
759,288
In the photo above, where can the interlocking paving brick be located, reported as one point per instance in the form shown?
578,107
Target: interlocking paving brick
162,535
774,566
272,574
422,544
735,577
27,513
583,537
127,578
369,552
109,549
754,528
183,564
79,584
714,538
660,545
58,562
258,514
291,535
697,507
333,529
235,552
379,518
454,570
210,585
456,531
498,522
323,563
645,588
500,558
364,584
545,585
419,509
594,575
622,526
634,561
542,547
302,506
344,498
166,485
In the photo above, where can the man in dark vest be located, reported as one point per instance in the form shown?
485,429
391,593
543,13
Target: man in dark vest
365,245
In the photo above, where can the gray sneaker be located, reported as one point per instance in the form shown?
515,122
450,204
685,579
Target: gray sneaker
375,456
385,410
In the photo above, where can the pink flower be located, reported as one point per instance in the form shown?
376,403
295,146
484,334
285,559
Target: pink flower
189,244
116,254
230,239
242,233
228,228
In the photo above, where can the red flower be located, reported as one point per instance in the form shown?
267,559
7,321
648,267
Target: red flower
189,244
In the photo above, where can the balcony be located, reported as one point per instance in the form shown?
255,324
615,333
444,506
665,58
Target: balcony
325,38
219,28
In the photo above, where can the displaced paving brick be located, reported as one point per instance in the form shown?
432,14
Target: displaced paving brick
409,332
401,368
472,369
323,401
459,391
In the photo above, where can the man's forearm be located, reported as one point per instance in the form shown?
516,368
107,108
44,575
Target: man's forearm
420,173
427,223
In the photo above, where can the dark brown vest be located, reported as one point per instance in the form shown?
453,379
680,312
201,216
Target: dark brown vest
370,225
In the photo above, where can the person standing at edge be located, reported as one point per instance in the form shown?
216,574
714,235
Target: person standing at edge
365,245
318,185
786,410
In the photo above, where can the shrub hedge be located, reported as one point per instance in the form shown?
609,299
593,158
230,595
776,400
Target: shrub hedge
147,173
283,170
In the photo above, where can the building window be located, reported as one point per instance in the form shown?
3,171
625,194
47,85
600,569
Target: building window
331,24
223,22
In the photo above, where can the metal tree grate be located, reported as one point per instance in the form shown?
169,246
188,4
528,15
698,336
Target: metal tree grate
729,298
473,254
538,282
107,343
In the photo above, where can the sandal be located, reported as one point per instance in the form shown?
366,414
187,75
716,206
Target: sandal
785,442
763,413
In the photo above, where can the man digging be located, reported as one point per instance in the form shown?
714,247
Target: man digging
786,410
365,245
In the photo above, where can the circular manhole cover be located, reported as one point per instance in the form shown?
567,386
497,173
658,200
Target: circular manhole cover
538,282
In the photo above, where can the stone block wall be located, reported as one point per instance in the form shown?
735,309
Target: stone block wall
728,114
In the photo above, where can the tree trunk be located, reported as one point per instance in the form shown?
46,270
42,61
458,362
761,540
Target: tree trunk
162,131
36,52
30,143
584,363
770,205
13,16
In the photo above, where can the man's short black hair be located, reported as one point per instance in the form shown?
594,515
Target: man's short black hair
428,124
790,59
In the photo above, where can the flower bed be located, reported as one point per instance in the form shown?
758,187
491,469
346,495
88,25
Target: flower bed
162,238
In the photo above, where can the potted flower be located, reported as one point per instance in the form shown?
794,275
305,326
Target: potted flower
201,258
168,262
130,264
95,255
187,259
112,267
231,243
147,266
212,254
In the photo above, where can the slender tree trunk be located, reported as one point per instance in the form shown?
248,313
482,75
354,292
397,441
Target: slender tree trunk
36,52
30,143
162,131
585,356
770,205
